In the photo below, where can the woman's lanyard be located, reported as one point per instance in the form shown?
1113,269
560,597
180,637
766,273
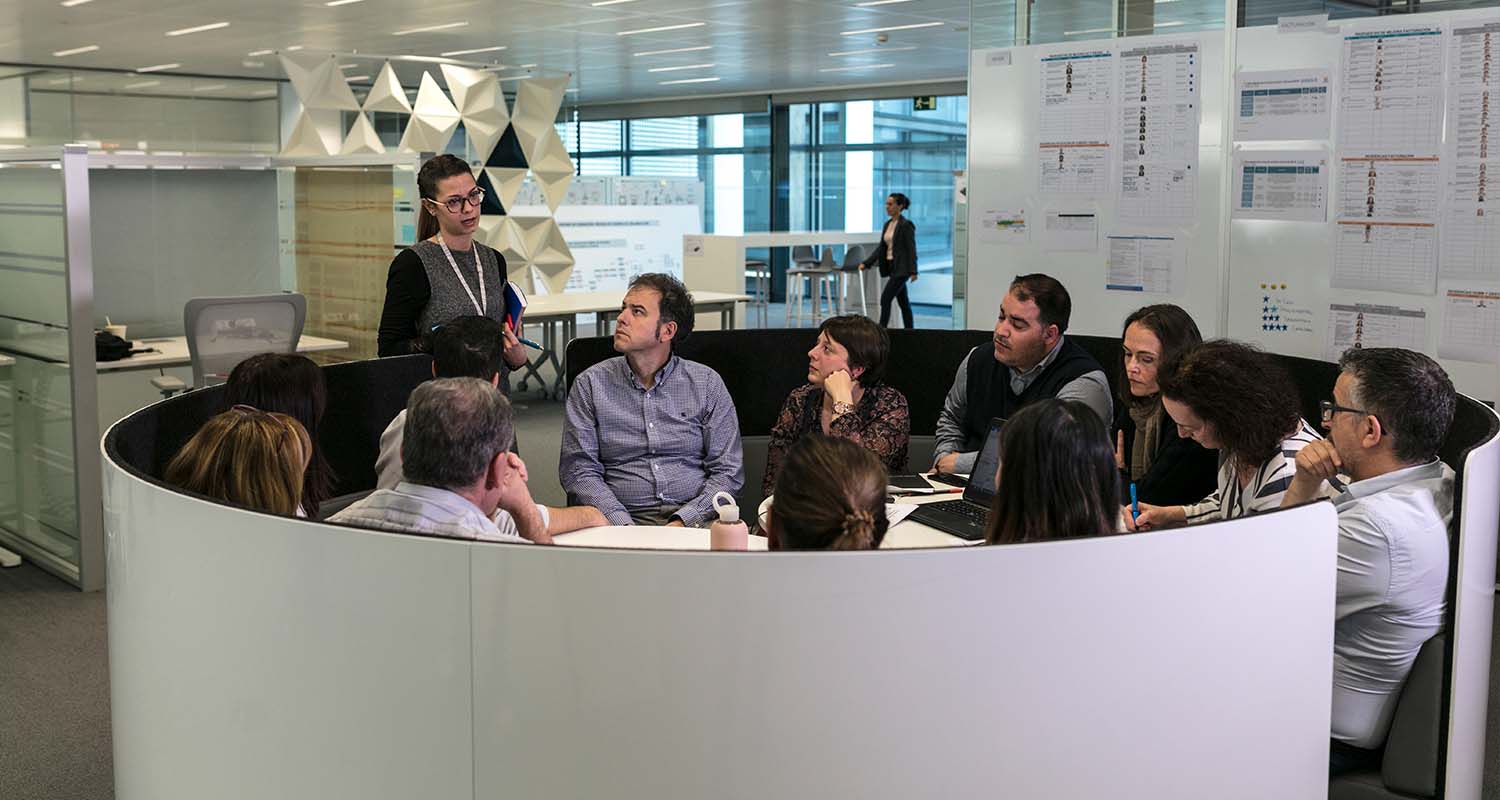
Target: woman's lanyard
482,308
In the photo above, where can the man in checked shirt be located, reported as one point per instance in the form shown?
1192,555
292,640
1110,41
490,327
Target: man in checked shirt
650,437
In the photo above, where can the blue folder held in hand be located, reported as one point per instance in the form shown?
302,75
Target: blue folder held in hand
515,305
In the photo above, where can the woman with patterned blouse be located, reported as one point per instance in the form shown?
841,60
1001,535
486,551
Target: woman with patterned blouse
844,397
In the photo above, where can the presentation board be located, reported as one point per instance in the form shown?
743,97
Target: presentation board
1330,204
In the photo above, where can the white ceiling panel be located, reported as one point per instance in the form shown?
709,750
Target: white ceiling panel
753,45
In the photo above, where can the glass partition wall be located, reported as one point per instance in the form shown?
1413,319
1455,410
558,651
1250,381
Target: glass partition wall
49,438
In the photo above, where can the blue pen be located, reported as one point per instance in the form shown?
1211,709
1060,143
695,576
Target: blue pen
1135,506
528,343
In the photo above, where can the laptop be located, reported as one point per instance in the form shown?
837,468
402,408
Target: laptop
968,518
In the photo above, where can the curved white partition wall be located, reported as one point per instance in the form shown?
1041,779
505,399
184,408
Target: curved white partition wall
255,656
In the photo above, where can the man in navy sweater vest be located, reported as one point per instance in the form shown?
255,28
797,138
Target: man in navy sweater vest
1029,359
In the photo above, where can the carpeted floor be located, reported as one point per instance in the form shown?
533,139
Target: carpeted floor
54,677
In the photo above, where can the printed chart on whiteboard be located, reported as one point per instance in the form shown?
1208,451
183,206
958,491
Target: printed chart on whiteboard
1073,143
1281,184
1362,325
1144,264
1387,235
1471,324
1471,231
1390,103
1282,104
1158,124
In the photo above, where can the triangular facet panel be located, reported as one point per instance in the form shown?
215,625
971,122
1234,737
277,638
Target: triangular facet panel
554,277
320,86
555,189
507,238
362,138
491,203
507,182
534,232
433,120
315,133
549,159
537,103
508,152
548,248
386,94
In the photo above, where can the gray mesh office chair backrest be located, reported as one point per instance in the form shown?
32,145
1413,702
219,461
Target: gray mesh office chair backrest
223,331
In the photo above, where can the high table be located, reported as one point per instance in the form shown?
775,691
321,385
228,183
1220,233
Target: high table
558,316
719,260
172,351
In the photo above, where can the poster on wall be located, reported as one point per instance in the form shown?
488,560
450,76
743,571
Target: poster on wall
1075,231
1392,97
1145,263
1281,185
1471,223
1385,256
611,244
1158,126
1283,105
1471,324
1362,325
1073,151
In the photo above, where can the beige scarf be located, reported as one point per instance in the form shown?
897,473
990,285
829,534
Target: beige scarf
1147,417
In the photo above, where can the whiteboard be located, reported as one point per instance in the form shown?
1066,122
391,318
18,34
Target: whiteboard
1004,105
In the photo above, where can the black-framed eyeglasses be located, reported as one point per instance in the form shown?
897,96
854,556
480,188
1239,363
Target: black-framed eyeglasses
1329,408
456,204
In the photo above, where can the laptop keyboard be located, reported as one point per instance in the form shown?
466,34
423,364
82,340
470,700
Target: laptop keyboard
962,508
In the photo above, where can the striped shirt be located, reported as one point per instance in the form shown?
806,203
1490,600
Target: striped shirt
1266,488
412,508
630,450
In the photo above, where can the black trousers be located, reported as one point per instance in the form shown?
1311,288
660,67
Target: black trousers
895,289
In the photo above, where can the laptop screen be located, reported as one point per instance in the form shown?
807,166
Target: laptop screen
984,479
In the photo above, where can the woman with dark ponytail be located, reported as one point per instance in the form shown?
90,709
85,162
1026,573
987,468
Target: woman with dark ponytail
831,496
896,257
446,274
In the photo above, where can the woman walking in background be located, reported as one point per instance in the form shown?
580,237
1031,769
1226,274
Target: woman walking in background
896,257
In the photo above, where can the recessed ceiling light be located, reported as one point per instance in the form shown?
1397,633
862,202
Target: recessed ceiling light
1181,22
427,59
856,69
63,81
1090,30
617,2
681,50
294,48
475,50
427,28
263,92
843,53
212,26
254,53
158,67
684,66
71,3
358,78
348,66
332,3
661,28
89,48
881,3
689,80
910,27
531,66
212,87
142,84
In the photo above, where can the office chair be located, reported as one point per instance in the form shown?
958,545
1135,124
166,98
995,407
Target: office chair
854,255
223,331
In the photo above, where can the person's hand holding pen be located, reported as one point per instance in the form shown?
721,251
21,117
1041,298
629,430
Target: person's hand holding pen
514,352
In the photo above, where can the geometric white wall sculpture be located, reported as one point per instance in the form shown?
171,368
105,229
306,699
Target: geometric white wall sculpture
537,103
362,138
481,106
547,250
433,120
320,84
315,133
386,93
552,167
506,236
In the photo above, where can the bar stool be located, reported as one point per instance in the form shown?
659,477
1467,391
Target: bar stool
760,303
854,256
822,277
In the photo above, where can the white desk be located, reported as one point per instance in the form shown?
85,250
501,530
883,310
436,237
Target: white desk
558,316
172,351
645,537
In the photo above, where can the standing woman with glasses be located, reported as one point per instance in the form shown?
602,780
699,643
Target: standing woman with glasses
446,274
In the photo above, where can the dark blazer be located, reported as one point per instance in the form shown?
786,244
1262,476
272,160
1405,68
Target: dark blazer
1183,471
904,262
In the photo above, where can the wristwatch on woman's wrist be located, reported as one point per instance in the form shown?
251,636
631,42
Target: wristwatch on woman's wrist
840,408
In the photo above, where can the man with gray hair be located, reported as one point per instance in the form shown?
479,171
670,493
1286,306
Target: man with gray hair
1390,413
461,480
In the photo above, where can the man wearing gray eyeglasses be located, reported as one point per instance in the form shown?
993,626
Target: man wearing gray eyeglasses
1390,413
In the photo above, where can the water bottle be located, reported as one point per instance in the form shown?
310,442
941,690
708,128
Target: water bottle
728,532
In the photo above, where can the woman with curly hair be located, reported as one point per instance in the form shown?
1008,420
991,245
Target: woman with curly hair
1231,397
832,497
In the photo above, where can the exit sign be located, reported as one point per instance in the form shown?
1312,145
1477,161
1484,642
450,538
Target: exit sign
924,103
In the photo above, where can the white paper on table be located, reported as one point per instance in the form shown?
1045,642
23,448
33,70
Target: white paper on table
1385,256
1140,263
1064,231
1281,184
895,512
1388,101
1006,226
1362,325
1283,104
1389,189
1471,324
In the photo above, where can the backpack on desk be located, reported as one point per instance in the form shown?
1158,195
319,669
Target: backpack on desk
109,347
